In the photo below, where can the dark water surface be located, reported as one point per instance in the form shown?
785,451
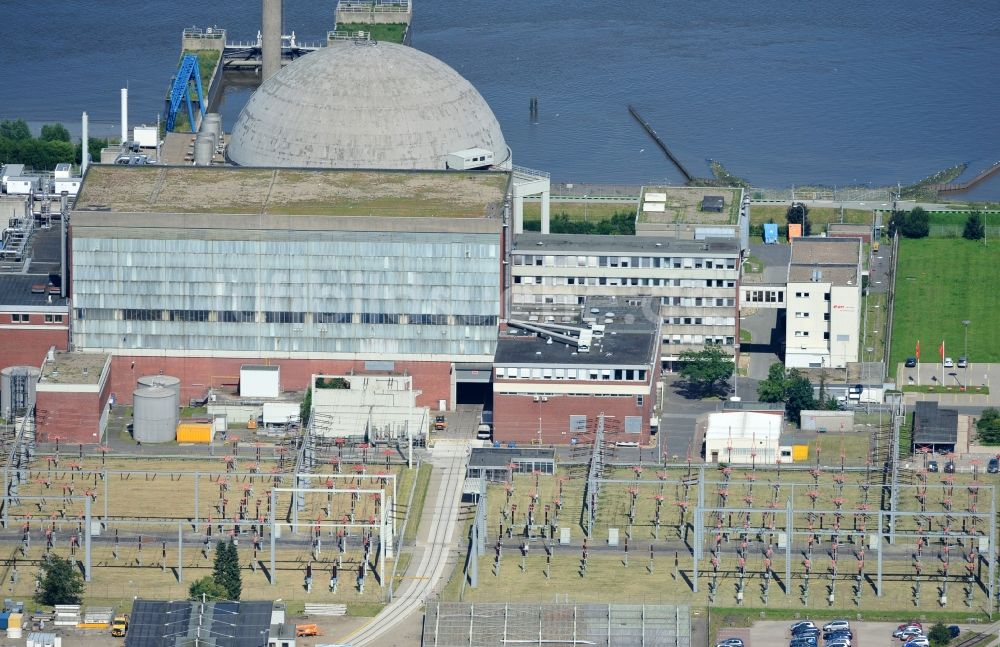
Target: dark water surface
781,92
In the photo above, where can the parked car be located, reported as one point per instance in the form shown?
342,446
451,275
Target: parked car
953,631
919,641
836,625
911,623
949,362
932,466
838,635
949,467
963,362
804,624
910,362
993,466
440,424
803,642
730,642
909,628
837,642
909,634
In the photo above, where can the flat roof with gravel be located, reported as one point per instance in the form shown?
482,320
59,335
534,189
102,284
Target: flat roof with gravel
74,368
683,205
293,192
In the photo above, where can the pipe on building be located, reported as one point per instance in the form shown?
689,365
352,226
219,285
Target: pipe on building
270,39
63,217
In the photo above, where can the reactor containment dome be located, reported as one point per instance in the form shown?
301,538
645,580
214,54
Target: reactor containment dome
364,104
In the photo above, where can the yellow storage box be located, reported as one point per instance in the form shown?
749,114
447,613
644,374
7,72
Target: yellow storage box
194,432
800,453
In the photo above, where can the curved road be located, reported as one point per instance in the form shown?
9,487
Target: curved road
450,461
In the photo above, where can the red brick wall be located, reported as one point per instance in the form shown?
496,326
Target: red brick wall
197,374
73,417
28,347
516,417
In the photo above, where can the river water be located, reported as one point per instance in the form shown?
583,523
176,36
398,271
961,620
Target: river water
849,92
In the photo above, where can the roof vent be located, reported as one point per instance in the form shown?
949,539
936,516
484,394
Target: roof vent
548,341
659,244
539,243
538,352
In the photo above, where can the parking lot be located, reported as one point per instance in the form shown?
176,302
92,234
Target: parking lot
768,633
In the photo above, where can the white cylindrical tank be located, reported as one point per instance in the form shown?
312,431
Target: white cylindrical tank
11,395
212,125
155,414
204,149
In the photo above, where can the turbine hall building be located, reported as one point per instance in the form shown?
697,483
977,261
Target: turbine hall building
194,271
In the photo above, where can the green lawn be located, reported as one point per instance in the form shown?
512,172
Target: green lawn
392,32
818,216
939,283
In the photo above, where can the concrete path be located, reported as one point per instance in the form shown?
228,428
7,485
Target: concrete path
434,542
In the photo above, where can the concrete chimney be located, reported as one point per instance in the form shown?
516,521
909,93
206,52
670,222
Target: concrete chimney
85,139
271,39
124,115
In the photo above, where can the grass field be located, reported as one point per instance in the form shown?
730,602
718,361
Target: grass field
818,216
586,211
939,283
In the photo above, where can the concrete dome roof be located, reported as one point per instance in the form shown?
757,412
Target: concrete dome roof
364,105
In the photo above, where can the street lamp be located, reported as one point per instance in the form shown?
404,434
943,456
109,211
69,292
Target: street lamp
966,322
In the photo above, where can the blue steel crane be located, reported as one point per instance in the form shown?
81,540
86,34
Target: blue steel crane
181,91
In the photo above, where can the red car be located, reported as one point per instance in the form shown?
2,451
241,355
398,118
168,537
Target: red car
910,624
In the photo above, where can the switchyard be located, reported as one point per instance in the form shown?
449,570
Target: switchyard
822,534
313,520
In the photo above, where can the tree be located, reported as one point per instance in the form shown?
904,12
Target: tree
706,370
306,407
226,569
60,582
773,388
939,635
988,426
798,214
798,395
974,227
54,133
916,224
15,130
211,589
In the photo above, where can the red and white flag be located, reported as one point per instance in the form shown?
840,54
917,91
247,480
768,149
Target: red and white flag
918,350
942,350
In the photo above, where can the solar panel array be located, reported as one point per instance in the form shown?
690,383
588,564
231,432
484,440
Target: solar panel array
158,623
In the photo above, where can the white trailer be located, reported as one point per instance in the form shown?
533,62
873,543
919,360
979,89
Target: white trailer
9,171
70,185
470,158
23,185
145,136
280,413
63,171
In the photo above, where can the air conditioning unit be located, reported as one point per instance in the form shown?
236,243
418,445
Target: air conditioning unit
535,398
545,398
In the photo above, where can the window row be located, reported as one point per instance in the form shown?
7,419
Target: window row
543,260
708,340
269,316
25,318
699,321
624,281
699,302
586,374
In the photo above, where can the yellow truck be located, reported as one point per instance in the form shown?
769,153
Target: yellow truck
119,626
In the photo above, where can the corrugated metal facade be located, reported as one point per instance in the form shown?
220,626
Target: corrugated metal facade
331,292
